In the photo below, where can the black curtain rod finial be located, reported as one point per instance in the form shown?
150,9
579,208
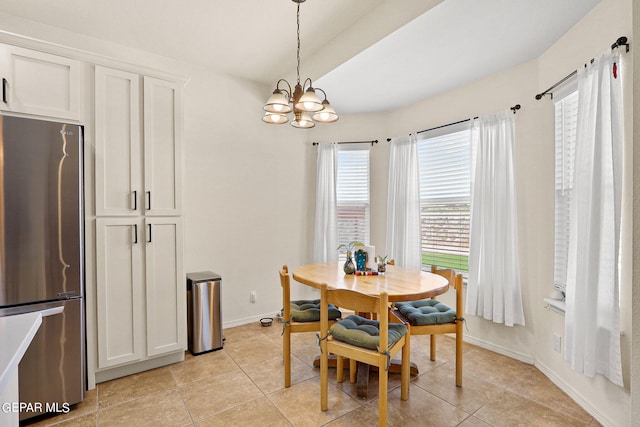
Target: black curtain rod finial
515,108
622,41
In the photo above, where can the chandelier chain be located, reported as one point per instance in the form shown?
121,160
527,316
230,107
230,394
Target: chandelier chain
298,35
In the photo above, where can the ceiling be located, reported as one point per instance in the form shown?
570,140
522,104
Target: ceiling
372,55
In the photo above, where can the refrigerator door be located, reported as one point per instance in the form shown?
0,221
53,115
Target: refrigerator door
51,372
40,211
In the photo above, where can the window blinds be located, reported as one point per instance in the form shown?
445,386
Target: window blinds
445,196
352,193
566,116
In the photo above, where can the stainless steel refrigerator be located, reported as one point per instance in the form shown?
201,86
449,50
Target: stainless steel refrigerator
42,254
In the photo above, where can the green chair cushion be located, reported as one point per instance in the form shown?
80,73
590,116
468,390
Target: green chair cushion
426,312
365,333
309,311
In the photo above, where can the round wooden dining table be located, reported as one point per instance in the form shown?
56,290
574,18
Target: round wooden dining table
399,283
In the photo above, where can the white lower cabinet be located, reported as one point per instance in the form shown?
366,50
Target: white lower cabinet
141,297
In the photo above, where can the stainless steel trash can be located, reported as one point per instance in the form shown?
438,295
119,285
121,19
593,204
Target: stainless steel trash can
204,317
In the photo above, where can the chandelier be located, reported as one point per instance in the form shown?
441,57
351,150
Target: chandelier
306,106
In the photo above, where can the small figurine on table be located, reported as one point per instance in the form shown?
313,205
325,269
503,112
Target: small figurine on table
361,260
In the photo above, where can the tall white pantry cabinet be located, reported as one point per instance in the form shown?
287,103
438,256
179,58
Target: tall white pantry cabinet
135,292
140,289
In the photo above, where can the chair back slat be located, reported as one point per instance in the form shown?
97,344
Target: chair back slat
353,300
448,274
359,302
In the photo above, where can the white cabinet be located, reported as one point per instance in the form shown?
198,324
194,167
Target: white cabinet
162,147
120,290
118,143
138,145
165,286
40,84
140,289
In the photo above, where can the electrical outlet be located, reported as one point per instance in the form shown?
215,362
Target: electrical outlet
252,297
557,342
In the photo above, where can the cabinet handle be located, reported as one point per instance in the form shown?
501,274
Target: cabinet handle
135,200
135,233
4,90
149,241
149,200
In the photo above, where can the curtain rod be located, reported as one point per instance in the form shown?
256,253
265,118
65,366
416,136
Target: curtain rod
375,141
622,41
514,109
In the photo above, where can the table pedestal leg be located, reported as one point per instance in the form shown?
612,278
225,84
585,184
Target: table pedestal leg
364,369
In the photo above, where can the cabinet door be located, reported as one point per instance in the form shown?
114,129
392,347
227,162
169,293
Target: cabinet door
41,84
120,290
162,147
118,143
166,286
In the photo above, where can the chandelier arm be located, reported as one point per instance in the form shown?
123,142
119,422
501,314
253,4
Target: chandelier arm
285,90
323,92
304,86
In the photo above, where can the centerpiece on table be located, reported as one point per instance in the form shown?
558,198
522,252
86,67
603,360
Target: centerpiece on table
349,266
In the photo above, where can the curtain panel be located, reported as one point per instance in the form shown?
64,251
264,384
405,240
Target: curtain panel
592,320
403,203
493,291
325,232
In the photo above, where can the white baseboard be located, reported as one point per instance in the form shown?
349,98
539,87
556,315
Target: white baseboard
500,350
563,385
575,395
240,322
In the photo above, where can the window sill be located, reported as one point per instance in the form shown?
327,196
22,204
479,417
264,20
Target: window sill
556,306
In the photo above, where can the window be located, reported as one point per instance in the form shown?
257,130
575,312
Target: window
445,197
566,117
352,193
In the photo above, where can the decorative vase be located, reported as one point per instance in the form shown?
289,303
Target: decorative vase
349,267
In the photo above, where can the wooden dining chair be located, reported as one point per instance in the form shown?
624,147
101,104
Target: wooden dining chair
298,316
431,317
374,342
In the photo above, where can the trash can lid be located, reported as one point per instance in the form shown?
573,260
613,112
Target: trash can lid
203,276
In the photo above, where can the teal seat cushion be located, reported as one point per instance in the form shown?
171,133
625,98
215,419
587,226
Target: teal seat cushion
309,311
365,333
426,312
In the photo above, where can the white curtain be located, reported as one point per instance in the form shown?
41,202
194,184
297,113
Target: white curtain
325,233
592,321
403,203
494,291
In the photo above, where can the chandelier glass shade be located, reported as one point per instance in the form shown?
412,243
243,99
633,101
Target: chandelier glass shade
302,101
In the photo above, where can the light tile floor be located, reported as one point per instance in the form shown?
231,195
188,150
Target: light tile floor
242,385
